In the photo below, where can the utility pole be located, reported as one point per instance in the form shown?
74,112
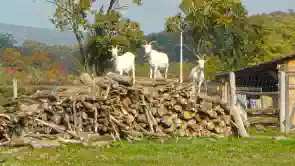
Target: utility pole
181,58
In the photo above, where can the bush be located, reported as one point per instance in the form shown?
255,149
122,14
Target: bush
5,88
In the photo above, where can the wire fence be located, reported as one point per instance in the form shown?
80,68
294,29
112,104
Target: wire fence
258,85
257,94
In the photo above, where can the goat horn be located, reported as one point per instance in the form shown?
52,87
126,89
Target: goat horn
153,42
198,57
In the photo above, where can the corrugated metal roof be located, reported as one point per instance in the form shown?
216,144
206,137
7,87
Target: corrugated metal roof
276,61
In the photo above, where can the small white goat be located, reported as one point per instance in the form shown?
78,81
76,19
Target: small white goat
157,60
197,75
123,63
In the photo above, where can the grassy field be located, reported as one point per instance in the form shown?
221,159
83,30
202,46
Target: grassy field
186,151
195,151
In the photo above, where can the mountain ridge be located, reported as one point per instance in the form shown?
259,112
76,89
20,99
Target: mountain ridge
43,35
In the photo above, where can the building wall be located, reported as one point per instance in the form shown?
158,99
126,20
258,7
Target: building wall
291,91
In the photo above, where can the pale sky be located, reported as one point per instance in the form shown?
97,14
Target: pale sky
151,15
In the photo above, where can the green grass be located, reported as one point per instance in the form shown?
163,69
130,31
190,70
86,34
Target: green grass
195,151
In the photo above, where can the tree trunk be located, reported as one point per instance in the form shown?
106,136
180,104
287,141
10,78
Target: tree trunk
82,51
111,4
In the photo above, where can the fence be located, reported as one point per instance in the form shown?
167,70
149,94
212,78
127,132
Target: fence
258,94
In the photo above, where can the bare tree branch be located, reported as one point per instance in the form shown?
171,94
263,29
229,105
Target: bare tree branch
120,7
59,5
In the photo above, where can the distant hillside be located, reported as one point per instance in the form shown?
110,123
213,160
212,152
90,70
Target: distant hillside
47,36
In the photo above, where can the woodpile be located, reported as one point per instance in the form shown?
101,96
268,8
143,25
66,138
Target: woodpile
115,110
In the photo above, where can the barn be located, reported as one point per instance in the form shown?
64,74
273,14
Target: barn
266,87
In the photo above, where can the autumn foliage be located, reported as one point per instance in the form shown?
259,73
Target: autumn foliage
53,73
41,66
11,70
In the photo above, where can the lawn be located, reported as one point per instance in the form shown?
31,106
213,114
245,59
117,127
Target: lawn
186,151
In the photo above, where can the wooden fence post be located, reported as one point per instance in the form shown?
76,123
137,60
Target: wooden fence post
233,94
235,110
14,81
282,83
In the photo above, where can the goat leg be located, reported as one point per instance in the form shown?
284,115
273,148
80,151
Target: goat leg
206,87
133,74
155,72
151,72
194,89
199,87
166,71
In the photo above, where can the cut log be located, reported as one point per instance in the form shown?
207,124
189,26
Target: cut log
121,79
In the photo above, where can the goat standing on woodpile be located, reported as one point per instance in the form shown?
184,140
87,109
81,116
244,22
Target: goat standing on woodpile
197,75
157,60
123,63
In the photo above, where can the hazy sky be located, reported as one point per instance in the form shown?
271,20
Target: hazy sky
151,15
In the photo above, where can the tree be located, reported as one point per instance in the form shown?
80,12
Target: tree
14,63
279,34
11,59
219,28
116,31
71,15
111,29
6,40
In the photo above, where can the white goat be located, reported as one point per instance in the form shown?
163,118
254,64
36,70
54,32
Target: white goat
197,75
123,63
157,60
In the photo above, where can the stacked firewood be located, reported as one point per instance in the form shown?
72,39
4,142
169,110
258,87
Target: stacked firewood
115,109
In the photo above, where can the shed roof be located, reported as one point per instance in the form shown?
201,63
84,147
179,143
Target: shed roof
269,64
